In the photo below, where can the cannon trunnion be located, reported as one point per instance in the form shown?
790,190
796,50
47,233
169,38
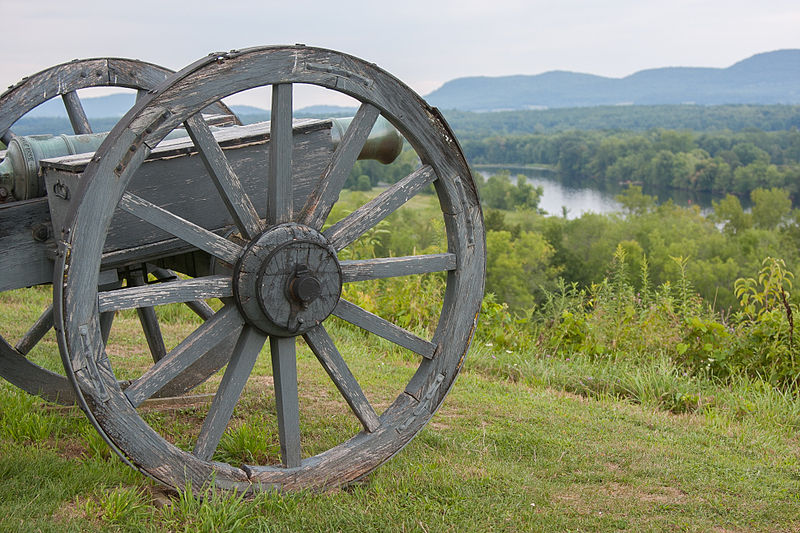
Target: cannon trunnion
238,217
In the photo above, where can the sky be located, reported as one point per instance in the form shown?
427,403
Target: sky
424,43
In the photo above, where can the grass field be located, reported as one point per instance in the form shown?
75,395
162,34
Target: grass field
524,442
509,450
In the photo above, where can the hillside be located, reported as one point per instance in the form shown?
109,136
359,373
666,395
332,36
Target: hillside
767,78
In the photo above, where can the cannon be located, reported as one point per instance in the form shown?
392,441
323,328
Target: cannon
27,239
241,217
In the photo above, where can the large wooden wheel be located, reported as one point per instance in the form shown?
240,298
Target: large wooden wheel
63,81
285,277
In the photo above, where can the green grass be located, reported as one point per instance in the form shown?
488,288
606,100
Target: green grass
544,439
510,450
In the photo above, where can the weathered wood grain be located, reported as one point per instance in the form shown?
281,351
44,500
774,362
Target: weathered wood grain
106,321
27,260
203,339
199,307
388,267
35,333
181,184
367,216
383,328
149,321
188,92
322,198
219,168
24,261
69,77
79,74
241,364
284,374
33,379
331,360
279,184
184,290
180,227
75,112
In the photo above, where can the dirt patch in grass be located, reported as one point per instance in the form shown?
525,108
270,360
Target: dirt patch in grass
665,495
74,510
588,499
70,448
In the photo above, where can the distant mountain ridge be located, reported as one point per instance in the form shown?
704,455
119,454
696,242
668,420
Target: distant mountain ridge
111,105
116,105
766,78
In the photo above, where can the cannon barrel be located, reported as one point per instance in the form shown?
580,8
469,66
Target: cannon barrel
19,171
20,176
384,143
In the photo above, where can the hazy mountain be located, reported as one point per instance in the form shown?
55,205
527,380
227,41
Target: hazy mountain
116,105
768,78
250,110
326,111
112,105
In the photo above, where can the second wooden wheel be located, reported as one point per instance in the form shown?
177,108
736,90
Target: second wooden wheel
284,271
18,362
20,355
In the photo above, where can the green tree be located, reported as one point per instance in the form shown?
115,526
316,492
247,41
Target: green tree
363,183
634,202
748,153
516,268
525,195
729,212
770,207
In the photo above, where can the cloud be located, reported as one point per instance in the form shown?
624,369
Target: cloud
424,43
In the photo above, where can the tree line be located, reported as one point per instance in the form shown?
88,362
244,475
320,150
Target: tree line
722,162
471,126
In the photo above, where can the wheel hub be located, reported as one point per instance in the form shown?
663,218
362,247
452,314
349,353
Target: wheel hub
288,280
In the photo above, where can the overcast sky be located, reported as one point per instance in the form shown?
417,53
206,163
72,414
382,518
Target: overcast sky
424,43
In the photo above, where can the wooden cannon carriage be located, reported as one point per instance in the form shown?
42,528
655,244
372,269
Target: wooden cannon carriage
235,215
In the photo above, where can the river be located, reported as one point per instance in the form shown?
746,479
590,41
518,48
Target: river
579,200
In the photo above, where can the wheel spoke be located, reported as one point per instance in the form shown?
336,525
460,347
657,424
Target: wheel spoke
149,321
107,317
383,328
152,332
184,290
36,332
199,307
323,347
230,389
388,267
368,215
284,374
106,321
206,337
281,144
227,182
181,228
76,114
321,200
